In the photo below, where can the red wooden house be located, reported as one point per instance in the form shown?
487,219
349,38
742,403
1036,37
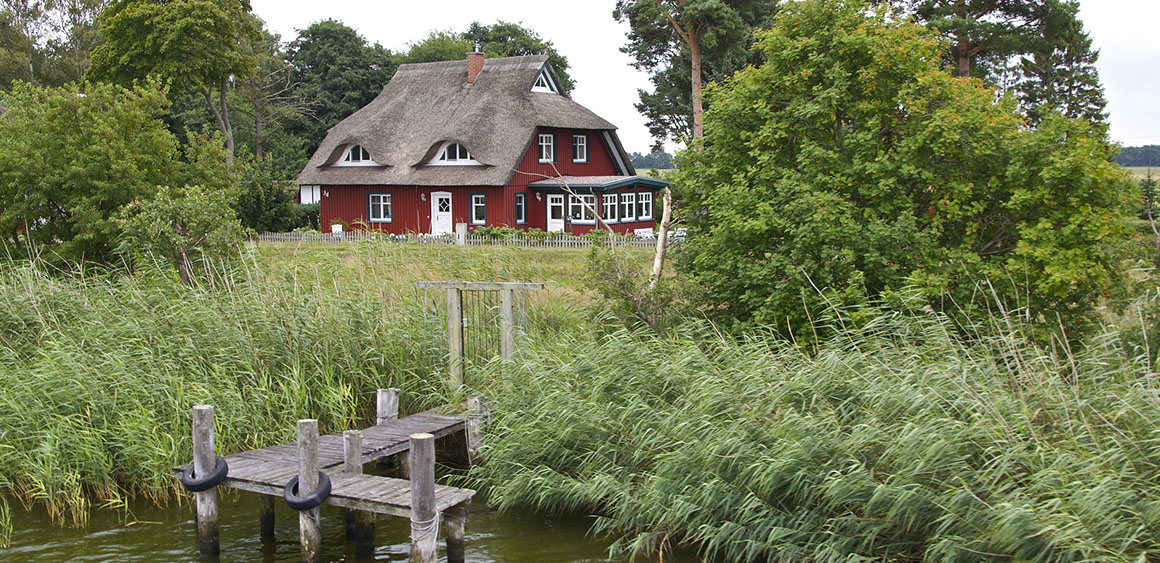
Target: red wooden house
482,142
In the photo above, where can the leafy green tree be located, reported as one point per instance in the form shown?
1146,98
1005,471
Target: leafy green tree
264,201
849,166
1060,71
72,157
665,35
20,56
197,44
1147,155
501,39
188,225
336,72
438,46
981,35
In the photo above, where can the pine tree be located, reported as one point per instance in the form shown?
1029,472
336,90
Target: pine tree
1060,71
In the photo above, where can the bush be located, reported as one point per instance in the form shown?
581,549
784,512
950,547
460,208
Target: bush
849,165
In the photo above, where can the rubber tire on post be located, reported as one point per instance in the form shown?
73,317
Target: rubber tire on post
220,470
312,500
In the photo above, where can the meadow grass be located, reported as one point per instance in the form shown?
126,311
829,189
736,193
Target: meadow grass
895,440
1141,172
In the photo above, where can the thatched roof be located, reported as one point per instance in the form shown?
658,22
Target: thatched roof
428,103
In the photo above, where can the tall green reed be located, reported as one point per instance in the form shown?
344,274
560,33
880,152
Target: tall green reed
895,439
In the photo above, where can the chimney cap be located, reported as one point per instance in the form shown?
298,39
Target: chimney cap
478,50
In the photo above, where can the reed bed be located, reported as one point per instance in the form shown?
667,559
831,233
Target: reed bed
99,369
897,440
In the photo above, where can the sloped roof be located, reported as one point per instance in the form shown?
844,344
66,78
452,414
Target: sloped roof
426,104
601,183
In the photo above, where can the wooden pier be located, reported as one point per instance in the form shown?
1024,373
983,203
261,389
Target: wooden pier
267,471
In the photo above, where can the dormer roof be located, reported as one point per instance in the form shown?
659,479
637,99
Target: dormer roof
426,104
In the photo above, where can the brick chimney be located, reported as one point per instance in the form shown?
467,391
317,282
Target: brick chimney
474,64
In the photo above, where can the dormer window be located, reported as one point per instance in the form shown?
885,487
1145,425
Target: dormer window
355,155
453,154
545,84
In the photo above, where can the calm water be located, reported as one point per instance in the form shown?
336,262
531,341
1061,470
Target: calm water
150,534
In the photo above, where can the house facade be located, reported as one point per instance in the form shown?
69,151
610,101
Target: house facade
492,142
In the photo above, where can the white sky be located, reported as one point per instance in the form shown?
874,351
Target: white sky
1125,31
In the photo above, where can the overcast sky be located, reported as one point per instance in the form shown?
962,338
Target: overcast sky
1125,31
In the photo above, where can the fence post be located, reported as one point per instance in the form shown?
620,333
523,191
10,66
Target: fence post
309,525
455,336
507,324
360,524
266,516
424,518
461,234
204,462
454,528
476,413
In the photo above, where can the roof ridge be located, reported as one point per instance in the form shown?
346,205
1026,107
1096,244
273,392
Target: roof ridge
499,61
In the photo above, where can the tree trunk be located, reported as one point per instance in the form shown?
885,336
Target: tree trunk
183,267
698,106
259,153
662,239
220,113
963,49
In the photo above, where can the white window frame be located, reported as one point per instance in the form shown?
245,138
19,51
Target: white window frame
445,158
610,208
478,201
580,209
579,145
548,141
544,83
383,203
309,193
521,208
628,207
644,200
351,158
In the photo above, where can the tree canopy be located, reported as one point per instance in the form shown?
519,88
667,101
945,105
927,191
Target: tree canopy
501,39
849,166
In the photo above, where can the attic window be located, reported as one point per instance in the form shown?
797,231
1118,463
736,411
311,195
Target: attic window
355,155
453,154
545,84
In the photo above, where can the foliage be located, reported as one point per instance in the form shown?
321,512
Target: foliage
196,44
306,217
47,42
621,279
655,159
849,165
897,441
265,203
336,72
1059,72
711,43
71,157
501,39
1147,155
980,35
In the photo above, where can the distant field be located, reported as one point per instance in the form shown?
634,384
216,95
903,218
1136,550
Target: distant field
1142,171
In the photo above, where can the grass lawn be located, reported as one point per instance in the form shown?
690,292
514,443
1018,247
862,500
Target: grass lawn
1142,171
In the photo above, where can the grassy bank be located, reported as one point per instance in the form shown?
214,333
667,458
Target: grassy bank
100,371
896,441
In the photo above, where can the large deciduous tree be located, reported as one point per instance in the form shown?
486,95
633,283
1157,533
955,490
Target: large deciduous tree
849,166
337,72
196,44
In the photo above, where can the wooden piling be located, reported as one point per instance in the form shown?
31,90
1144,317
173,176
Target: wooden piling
473,426
424,518
387,401
455,336
204,462
507,324
309,524
360,525
455,529
266,516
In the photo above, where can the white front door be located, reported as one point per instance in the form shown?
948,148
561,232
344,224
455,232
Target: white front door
555,213
441,221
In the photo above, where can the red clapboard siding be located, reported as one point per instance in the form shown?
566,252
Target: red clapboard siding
411,214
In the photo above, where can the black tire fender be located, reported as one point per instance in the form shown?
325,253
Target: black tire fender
193,484
312,500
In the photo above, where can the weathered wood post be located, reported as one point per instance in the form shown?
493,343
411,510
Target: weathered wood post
476,413
455,528
507,324
424,518
266,516
387,401
360,524
309,525
204,461
455,336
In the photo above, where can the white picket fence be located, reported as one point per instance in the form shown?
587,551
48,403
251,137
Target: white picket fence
556,241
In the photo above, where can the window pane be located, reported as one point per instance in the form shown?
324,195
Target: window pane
365,155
